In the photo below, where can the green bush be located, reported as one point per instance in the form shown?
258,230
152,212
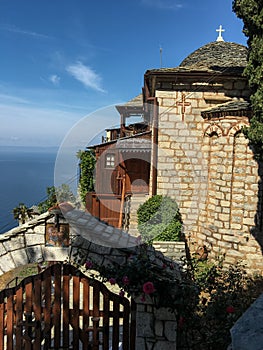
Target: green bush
87,163
55,195
212,301
159,219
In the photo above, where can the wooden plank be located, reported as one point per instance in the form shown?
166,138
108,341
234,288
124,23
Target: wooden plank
132,325
86,313
9,319
47,307
66,295
126,324
37,312
2,320
106,321
19,318
56,312
75,312
116,325
28,333
96,315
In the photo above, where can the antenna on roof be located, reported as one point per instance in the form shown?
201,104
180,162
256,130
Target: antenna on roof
161,57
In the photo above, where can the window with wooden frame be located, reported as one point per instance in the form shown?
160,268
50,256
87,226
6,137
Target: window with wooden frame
110,160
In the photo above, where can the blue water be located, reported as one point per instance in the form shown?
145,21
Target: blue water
25,173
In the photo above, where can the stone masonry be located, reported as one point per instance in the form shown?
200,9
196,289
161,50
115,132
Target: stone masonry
205,163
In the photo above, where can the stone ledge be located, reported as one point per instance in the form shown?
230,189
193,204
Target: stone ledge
247,333
55,253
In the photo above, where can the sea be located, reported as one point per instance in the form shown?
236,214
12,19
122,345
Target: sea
25,174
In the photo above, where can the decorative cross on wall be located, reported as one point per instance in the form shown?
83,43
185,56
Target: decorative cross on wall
183,104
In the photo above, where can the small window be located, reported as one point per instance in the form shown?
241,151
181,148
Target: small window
110,161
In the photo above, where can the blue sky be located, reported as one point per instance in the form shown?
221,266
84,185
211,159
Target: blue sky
61,60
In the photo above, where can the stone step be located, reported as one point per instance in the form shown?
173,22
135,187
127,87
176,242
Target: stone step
136,201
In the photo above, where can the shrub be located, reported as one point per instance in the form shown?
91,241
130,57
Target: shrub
159,219
224,294
55,195
87,163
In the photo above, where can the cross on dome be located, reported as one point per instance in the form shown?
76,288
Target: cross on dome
220,30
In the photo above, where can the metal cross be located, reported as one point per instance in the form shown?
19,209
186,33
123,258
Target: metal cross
183,104
220,30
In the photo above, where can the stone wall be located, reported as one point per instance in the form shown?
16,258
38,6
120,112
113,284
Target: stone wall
156,329
182,169
206,165
173,250
25,244
231,220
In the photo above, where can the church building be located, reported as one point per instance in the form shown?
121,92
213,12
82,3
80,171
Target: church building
190,146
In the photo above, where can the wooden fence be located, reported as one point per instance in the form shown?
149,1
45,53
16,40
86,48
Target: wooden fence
61,308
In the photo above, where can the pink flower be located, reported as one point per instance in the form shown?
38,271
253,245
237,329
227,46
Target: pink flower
230,309
122,293
148,288
88,264
112,281
125,280
164,266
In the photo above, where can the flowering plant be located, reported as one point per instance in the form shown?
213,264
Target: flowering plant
139,277
223,294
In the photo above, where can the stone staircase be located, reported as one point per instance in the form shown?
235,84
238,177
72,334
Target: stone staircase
136,201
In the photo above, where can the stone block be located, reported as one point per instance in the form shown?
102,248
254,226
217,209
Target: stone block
249,221
158,327
34,239
2,249
7,263
49,253
164,345
140,344
40,229
20,257
168,102
224,244
144,324
164,314
170,330
14,243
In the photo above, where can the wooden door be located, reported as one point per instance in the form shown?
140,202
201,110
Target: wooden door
137,175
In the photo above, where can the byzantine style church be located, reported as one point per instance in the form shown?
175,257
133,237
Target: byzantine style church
190,146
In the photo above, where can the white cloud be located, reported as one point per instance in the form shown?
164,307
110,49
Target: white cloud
86,76
14,29
55,79
12,99
163,4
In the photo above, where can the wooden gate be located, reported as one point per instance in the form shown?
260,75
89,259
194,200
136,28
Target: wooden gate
61,308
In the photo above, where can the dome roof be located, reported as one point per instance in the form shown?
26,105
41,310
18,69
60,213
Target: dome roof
217,56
